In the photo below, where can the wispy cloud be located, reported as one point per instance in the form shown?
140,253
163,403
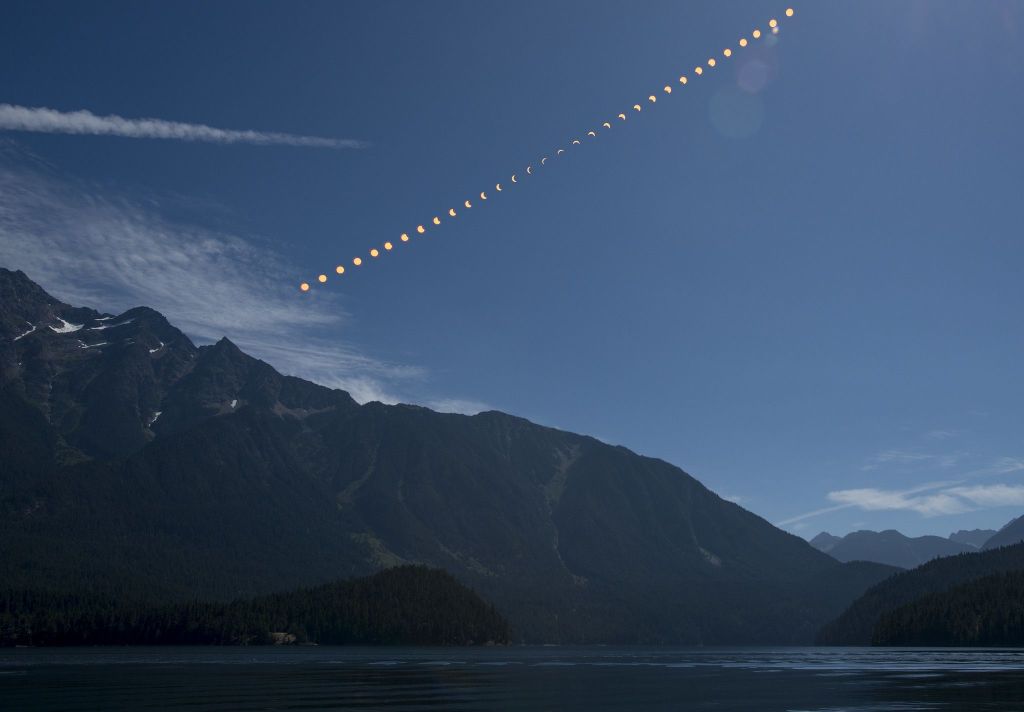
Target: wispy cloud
911,458
932,498
984,496
872,500
43,120
458,405
89,247
940,434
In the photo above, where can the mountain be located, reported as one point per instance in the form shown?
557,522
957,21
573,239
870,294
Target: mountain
407,605
857,625
888,547
986,611
825,542
972,537
1010,534
138,464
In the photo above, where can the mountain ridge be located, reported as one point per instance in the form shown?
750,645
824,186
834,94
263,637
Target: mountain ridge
888,547
202,471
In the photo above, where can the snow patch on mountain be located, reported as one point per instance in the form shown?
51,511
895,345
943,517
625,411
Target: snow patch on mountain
66,327
101,327
23,335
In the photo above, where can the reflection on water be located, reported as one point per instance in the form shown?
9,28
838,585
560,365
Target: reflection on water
597,678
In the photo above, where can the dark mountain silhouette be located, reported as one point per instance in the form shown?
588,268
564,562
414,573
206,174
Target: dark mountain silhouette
985,611
972,537
857,625
1010,534
888,547
138,464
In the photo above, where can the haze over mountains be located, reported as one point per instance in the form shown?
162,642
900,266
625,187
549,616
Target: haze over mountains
895,549
888,547
139,464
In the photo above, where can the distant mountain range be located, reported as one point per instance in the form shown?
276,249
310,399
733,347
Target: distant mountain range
895,549
136,464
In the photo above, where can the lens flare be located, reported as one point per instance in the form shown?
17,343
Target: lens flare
711,62
388,245
339,269
727,52
451,212
757,34
682,79
304,286
773,23
374,252
357,261
743,42
437,221
789,12
698,70
420,229
405,237
322,278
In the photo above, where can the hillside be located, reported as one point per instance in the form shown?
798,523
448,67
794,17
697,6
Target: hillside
1012,533
856,625
986,611
402,606
143,465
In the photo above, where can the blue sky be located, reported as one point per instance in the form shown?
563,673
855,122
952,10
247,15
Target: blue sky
798,278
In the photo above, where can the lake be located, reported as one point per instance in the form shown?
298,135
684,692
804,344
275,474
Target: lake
519,678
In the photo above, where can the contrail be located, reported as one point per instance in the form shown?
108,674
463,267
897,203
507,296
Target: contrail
43,120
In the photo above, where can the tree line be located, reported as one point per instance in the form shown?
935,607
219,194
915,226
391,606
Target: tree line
408,605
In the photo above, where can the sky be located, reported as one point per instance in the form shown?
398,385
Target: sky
798,277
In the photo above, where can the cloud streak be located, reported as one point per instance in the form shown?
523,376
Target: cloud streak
95,248
44,120
930,499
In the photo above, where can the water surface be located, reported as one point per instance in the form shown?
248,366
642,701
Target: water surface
520,678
